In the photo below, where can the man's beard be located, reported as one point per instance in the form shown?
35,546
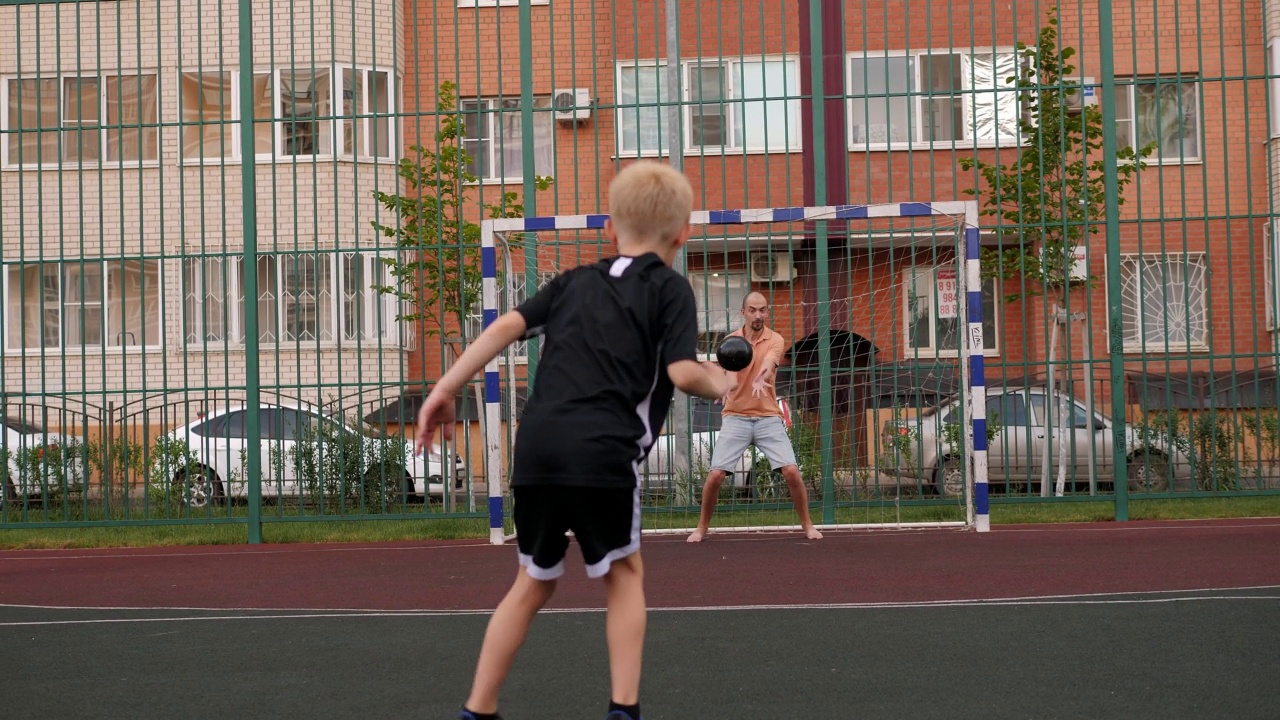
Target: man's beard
757,324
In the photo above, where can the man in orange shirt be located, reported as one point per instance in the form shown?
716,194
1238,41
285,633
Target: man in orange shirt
752,417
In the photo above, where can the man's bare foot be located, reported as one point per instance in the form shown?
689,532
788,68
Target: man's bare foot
697,535
812,533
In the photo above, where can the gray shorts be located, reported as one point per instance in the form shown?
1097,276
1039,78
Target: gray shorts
768,434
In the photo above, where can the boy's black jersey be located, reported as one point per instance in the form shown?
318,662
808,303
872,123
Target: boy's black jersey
601,391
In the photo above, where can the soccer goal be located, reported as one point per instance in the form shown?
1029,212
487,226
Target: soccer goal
880,235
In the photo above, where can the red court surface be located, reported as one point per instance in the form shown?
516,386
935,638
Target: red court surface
755,569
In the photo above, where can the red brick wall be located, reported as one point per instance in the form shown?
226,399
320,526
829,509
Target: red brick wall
1200,207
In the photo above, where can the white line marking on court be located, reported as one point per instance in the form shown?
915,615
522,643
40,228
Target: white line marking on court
1114,598
247,553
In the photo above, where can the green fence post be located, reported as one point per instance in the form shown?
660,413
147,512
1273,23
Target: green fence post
824,280
248,192
1115,300
530,186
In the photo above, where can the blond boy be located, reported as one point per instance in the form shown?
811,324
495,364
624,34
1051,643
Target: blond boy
619,335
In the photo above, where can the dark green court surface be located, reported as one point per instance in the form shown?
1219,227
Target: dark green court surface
1162,655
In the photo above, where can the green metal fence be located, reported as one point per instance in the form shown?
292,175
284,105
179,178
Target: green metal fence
239,241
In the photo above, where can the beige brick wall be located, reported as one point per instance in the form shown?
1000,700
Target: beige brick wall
186,383
168,209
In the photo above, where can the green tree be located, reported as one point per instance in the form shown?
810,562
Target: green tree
436,273
1050,198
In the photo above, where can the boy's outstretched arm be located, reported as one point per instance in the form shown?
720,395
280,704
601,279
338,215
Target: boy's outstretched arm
704,380
438,411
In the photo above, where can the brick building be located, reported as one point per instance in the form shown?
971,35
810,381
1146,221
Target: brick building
912,91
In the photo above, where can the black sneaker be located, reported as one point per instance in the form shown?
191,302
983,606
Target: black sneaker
468,715
620,715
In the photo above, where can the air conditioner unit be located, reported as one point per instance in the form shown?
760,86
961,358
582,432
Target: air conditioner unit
771,266
1077,97
571,104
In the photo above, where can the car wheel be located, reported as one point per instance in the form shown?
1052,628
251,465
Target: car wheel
948,479
10,492
200,487
1148,472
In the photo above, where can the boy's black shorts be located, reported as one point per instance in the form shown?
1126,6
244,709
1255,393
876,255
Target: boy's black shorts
604,521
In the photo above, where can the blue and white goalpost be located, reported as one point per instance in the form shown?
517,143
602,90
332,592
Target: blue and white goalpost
965,213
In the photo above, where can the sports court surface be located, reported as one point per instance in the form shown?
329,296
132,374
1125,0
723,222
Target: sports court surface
1131,620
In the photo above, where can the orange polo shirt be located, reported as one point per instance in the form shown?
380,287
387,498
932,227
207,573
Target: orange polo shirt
741,401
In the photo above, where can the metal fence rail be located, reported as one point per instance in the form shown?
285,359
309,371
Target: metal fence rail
239,242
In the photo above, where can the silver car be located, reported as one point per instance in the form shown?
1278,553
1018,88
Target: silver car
1016,451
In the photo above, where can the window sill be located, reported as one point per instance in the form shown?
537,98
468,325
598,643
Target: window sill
518,181
478,4
923,354
83,351
299,160
328,345
85,167
1162,351
932,146
707,152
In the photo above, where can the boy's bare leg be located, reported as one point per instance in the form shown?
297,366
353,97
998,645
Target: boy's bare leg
710,494
625,627
506,633
800,498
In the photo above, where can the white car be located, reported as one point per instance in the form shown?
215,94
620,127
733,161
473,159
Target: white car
19,436
218,447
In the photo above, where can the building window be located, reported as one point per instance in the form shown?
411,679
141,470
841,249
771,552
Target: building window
367,107
1164,303
301,103
94,119
511,293
1164,111
642,118
209,109
302,298
1269,270
718,293
733,105
83,304
952,97
932,313
493,138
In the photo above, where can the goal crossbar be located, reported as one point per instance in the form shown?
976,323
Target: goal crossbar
972,367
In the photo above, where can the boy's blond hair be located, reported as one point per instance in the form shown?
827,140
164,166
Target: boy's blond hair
650,201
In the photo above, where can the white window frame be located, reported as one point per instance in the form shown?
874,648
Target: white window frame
1273,84
363,126
337,126
1163,346
730,66
101,77
104,302
1270,270
918,97
389,331
494,116
232,301
734,313
1131,89
511,293
909,275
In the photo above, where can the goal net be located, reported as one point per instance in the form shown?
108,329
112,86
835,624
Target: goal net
884,319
